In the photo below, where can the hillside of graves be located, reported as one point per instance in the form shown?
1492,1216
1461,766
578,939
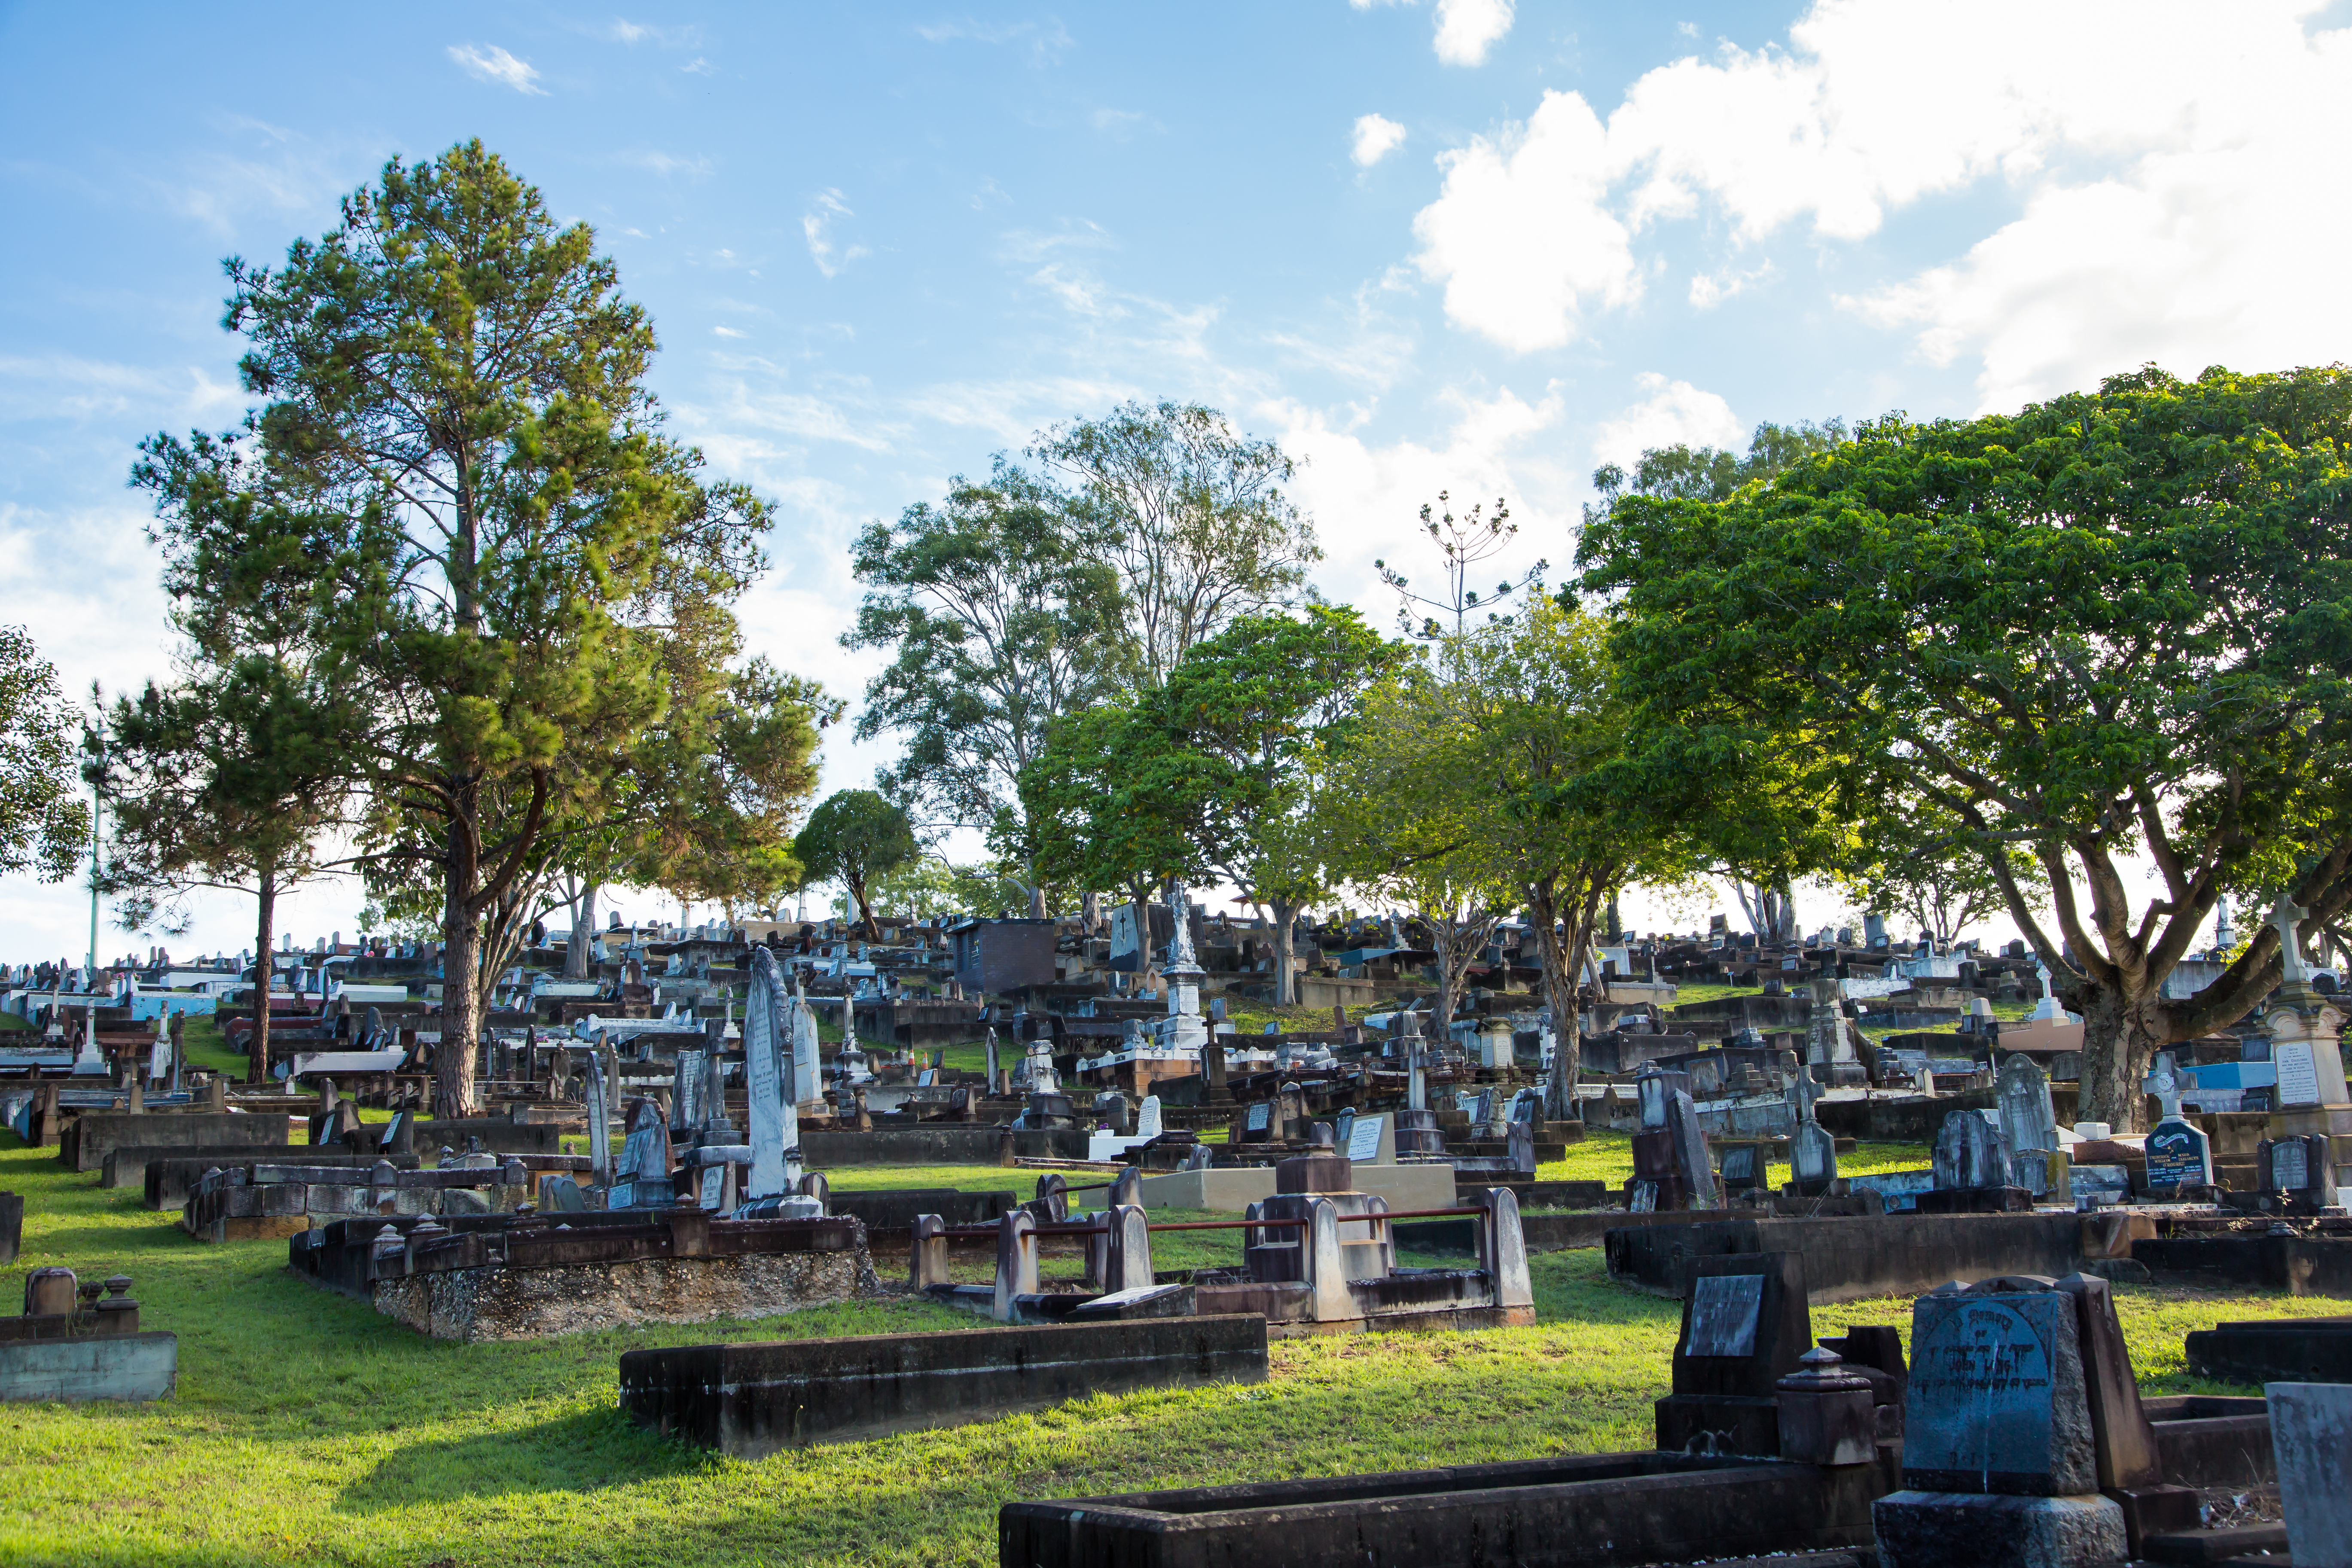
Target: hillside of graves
308,1428
787,1242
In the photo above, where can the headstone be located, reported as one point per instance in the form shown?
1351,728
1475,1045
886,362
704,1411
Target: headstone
764,1087
600,1129
1261,1118
1371,1140
1723,1315
2299,1173
2022,1091
1146,1118
1742,1168
805,1056
1812,1159
1691,1158
2311,1439
1971,1151
645,1159
1997,1401
2178,1155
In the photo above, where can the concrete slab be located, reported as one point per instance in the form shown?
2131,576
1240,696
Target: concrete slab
135,1367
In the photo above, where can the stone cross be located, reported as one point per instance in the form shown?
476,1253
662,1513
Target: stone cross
2164,1083
2285,915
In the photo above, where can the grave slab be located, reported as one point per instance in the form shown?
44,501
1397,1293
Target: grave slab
749,1400
1937,1530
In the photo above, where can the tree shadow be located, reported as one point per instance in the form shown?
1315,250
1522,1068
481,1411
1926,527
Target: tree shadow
585,1451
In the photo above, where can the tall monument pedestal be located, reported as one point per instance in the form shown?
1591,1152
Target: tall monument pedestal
2306,1029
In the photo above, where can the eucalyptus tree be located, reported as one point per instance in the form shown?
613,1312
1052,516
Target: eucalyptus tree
530,576
2106,627
44,825
1191,515
1002,619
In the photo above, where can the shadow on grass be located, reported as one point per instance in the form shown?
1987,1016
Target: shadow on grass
585,1451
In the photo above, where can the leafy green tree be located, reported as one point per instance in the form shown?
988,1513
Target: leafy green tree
1761,822
1921,863
853,838
1543,739
530,578
1191,517
1100,799
1408,814
2108,626
43,827
1001,620
231,775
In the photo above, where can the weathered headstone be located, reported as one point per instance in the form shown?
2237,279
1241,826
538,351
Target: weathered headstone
1997,1401
2311,1438
1812,1159
600,1130
1146,1118
1972,1151
2298,1173
2022,1091
643,1180
1691,1159
765,1088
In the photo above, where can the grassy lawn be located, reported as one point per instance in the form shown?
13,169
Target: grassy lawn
1608,1157
308,1429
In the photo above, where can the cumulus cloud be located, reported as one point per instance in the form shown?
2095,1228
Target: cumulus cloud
1673,412
2161,157
1376,136
816,225
1466,29
495,64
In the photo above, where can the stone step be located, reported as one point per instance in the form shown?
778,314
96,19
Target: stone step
2209,1547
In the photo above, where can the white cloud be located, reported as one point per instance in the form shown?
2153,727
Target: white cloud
700,67
1520,234
1376,137
1673,412
1046,40
667,164
720,331
816,225
495,64
1466,29
2161,157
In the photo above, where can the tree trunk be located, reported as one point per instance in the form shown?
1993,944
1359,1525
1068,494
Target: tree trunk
2122,1032
1285,989
461,1014
256,1066
1090,913
1036,894
1442,936
1559,996
865,910
584,934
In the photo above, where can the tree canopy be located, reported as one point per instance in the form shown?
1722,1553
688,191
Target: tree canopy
853,838
2110,624
44,828
532,584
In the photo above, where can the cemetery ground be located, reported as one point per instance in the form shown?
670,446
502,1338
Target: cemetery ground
307,1428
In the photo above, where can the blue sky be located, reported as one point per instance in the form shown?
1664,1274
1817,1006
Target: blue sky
1460,245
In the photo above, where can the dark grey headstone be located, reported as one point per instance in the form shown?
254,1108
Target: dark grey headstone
1997,1402
2178,1154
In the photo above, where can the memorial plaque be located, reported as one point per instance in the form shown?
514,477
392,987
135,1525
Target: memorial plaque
1724,1309
713,1188
1364,1140
2178,1154
1146,1118
2290,1165
1644,1199
1740,1167
2298,1073
1997,1401
1260,1116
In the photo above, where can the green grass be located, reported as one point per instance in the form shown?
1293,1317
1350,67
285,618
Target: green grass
1606,1157
10,1021
309,1429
